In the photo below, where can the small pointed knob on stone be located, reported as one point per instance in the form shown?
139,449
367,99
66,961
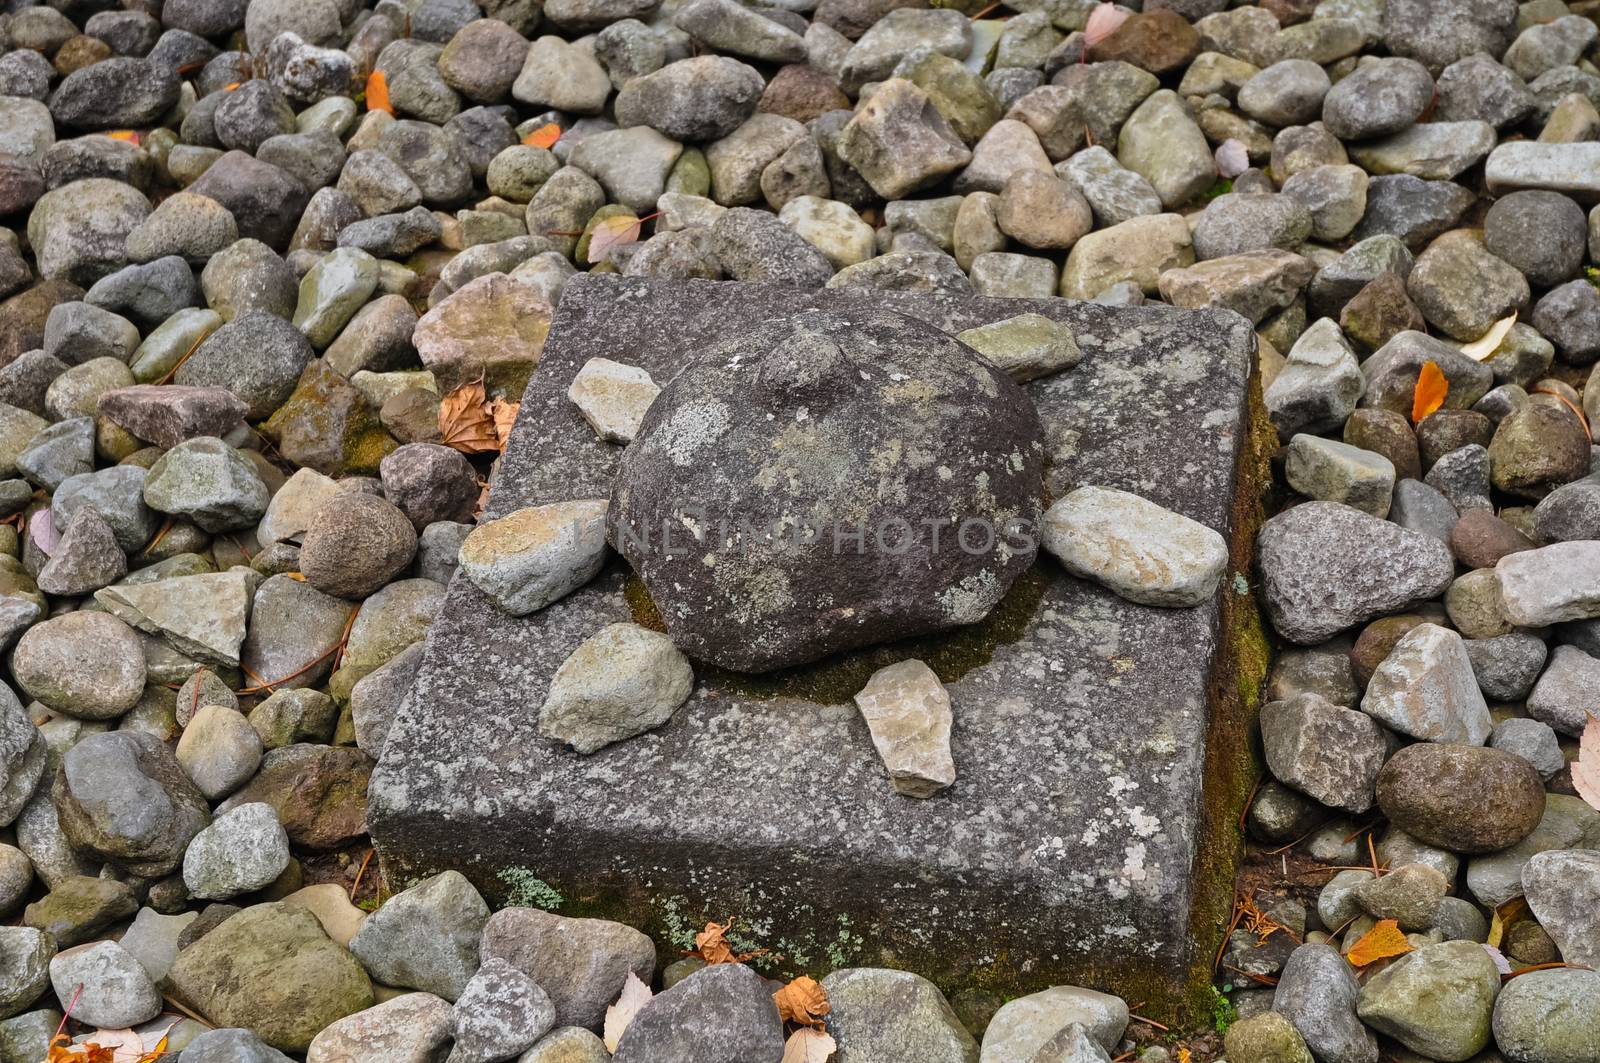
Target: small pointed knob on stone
807,366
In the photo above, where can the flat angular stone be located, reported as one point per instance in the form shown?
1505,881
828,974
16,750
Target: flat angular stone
908,714
1025,347
1551,584
203,616
535,556
581,963
621,682
1324,751
1155,406
613,398
1570,168
1425,688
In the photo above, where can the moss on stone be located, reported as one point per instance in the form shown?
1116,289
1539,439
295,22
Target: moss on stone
836,680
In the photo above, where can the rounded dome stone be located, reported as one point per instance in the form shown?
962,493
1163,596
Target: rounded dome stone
828,481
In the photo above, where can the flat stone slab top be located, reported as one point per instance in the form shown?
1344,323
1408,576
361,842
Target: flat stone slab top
1072,832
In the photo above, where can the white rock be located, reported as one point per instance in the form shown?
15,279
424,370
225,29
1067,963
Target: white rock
244,849
620,682
1025,347
1024,1025
1144,552
613,398
532,557
289,513
1551,584
1425,688
907,710
117,993
413,1028
832,227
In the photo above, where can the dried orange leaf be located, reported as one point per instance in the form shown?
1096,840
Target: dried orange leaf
1586,769
808,1045
1485,345
1432,389
615,231
802,1001
125,134
230,86
465,422
711,945
378,92
635,995
1382,941
503,415
543,137
1512,911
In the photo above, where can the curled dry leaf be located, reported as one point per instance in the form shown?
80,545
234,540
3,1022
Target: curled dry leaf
619,230
1432,390
1586,769
1514,910
378,92
467,420
803,1001
808,1045
1501,964
503,415
1381,942
62,1050
1485,345
711,945
543,137
1103,21
635,995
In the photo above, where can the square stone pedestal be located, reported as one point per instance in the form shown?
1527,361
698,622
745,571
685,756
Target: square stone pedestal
1078,843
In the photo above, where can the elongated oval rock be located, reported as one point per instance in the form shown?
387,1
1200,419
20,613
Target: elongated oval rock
1144,552
1325,566
1468,799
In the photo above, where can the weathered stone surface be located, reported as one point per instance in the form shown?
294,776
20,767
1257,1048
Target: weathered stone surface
737,442
1425,688
1326,567
271,968
649,803
581,963
621,682
1468,799
1142,551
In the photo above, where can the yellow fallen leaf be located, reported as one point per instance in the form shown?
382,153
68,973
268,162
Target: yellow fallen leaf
635,995
1381,942
615,231
1485,345
1514,910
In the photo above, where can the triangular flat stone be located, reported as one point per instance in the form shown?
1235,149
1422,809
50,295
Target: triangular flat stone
203,616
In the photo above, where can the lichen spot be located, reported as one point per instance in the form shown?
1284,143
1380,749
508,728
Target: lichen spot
690,428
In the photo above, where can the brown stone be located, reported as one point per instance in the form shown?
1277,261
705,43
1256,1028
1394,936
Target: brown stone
327,425
1375,642
23,315
802,92
1379,311
1158,42
319,793
79,52
1480,539
1447,430
1468,799
1388,433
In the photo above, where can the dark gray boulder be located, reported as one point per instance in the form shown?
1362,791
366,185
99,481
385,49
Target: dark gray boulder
722,1014
872,472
